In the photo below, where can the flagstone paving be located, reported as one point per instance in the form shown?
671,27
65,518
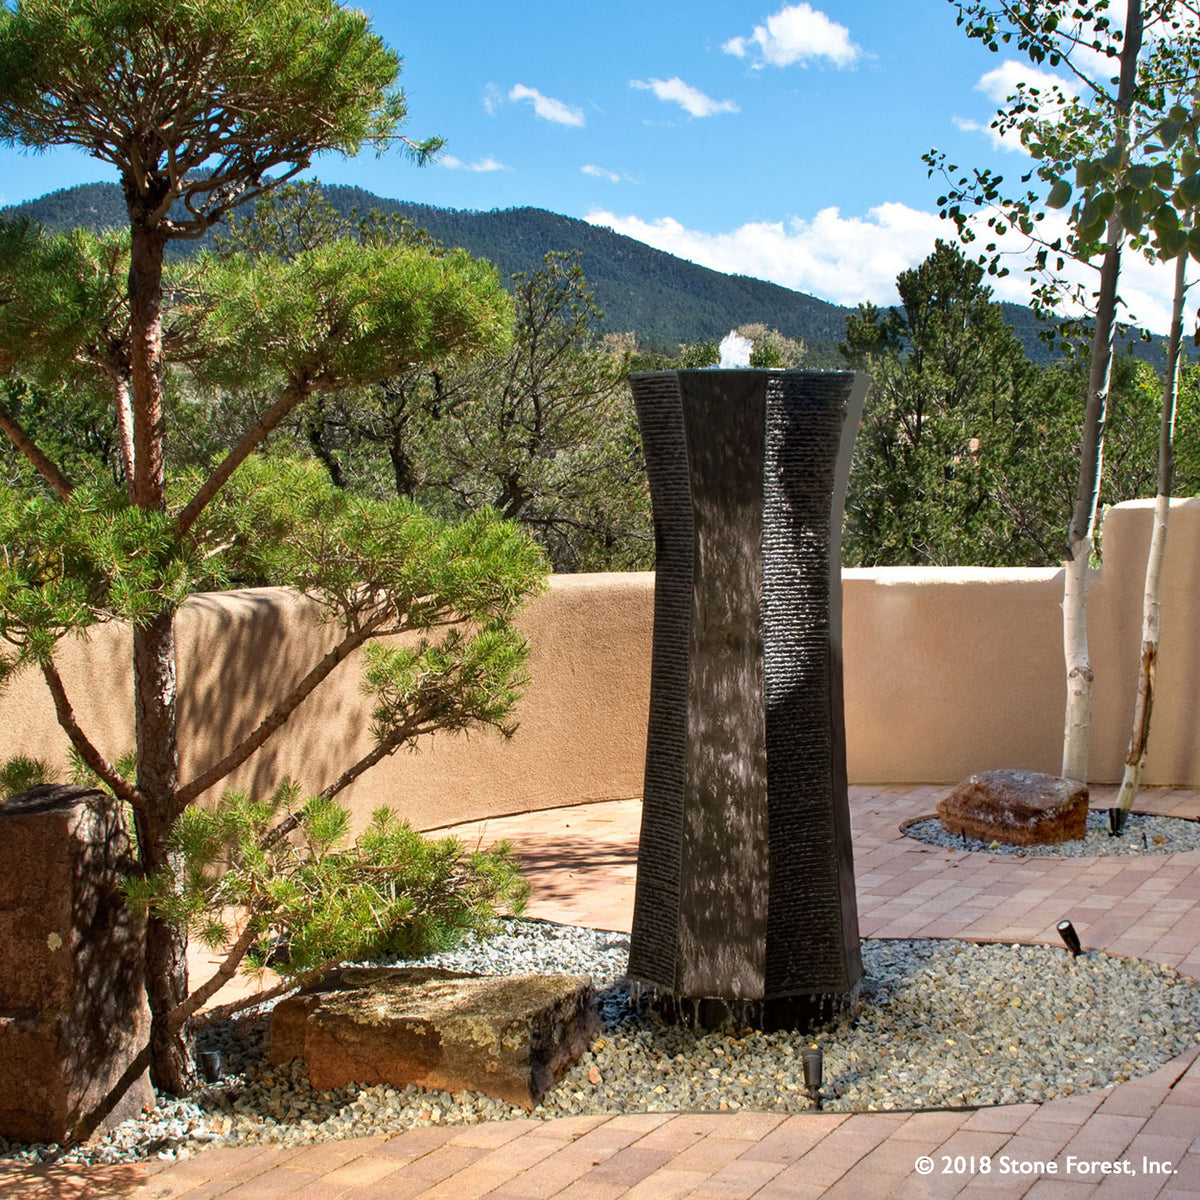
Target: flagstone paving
581,862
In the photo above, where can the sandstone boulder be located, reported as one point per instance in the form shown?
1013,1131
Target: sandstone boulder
511,1037
1022,808
73,1014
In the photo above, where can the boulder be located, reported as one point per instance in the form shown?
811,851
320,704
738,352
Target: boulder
1022,808
74,1022
511,1037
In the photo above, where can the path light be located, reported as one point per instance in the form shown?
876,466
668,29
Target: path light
211,1065
1116,821
1070,938
814,1066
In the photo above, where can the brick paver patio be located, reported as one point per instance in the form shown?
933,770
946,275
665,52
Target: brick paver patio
581,862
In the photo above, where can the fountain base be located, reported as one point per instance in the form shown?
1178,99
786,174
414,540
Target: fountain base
801,1014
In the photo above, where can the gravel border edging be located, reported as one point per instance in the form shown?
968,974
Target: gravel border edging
942,1023
1145,833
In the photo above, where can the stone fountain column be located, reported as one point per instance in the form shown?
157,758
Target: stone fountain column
745,905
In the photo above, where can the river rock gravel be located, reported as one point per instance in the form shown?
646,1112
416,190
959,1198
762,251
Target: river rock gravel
1143,834
939,1023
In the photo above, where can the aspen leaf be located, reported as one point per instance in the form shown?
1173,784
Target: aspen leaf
1060,194
1187,194
1169,132
1173,242
1132,216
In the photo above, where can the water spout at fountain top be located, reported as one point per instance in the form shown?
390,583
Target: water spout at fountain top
735,350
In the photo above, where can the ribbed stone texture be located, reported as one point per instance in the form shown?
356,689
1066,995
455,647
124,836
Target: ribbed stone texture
745,903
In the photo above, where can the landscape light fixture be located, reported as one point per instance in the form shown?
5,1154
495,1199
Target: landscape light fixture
211,1065
814,1067
1116,821
1070,938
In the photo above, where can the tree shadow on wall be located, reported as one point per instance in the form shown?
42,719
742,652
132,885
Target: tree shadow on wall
247,651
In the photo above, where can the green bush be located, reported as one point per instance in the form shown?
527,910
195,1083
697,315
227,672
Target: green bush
311,897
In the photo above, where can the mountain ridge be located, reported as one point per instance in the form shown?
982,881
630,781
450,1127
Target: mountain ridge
664,299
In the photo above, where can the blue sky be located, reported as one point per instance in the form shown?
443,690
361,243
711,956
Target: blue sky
771,139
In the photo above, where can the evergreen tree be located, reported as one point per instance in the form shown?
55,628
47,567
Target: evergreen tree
198,107
947,423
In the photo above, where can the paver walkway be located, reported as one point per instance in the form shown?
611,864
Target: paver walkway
581,862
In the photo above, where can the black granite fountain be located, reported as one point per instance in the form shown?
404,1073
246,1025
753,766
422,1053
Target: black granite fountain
745,908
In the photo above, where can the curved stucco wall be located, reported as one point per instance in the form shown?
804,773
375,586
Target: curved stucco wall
948,671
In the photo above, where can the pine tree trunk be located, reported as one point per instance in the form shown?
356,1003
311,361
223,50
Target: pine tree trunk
1139,738
154,662
1077,724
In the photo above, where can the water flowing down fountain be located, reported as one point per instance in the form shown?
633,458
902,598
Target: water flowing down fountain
745,907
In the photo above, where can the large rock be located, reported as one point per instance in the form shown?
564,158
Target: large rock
73,1014
1023,808
510,1037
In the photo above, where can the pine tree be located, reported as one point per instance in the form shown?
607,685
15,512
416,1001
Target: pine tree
198,107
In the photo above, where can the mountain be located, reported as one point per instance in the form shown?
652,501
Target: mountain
665,299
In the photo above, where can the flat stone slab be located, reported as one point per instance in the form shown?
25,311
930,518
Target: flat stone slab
511,1037
1022,808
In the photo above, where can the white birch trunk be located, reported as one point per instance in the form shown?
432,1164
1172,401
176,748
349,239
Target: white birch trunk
1077,724
1139,737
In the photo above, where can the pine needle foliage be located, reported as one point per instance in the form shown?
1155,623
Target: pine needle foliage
68,565
311,899
21,772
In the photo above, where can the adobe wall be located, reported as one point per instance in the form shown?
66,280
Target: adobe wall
948,671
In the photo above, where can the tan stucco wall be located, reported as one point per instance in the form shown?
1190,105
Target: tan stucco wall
948,671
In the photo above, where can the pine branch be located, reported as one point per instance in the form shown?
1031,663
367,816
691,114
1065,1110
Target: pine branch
124,411
282,988
290,397
388,745
271,724
44,467
223,974
121,787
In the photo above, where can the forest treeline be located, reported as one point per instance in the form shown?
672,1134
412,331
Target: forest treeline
967,453
669,301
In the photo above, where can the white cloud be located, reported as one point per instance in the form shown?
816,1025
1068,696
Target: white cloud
690,99
484,164
999,142
1001,82
843,259
851,259
796,34
547,107
604,173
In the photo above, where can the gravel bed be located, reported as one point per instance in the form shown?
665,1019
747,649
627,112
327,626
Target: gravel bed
1144,834
940,1023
